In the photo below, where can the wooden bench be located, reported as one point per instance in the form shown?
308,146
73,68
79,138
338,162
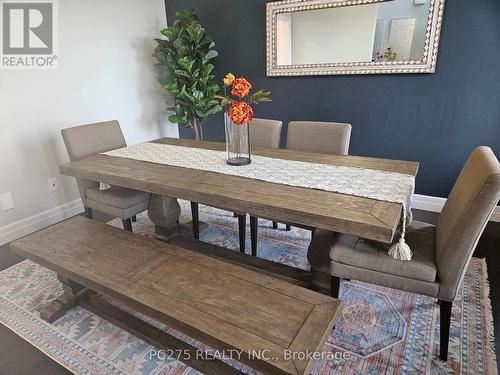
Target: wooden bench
223,305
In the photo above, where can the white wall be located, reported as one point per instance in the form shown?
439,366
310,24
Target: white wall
405,9
106,71
334,35
284,38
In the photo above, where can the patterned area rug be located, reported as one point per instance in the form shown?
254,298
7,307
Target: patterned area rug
380,330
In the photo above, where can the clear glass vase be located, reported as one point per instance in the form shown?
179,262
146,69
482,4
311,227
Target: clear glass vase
237,142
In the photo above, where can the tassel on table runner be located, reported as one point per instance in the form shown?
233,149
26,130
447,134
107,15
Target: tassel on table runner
401,250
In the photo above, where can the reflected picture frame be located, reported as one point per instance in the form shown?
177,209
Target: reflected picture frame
425,65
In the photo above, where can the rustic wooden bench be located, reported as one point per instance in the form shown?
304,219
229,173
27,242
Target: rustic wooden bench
228,307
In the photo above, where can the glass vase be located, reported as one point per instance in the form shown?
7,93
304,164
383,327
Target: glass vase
237,142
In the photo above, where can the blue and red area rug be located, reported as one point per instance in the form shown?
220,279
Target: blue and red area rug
380,330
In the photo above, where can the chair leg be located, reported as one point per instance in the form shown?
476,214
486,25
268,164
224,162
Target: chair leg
88,213
127,224
235,214
275,225
242,227
288,227
334,286
134,219
444,334
195,215
254,227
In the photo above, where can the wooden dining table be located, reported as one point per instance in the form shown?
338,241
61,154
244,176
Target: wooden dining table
363,217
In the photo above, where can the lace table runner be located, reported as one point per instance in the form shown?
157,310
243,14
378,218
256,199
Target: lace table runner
361,182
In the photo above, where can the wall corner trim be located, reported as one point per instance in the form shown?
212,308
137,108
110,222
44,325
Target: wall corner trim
39,221
435,204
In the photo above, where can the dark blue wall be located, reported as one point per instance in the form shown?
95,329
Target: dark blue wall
436,119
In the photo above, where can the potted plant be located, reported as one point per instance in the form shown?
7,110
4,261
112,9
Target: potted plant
186,53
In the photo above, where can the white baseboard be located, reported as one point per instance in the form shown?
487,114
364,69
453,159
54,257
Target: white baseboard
39,221
435,204
428,203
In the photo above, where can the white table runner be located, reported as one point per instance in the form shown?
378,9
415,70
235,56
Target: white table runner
361,182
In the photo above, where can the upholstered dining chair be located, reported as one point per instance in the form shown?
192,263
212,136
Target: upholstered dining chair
320,137
263,133
441,253
87,140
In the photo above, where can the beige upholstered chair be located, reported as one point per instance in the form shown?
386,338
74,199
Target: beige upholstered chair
263,133
321,137
441,253
87,140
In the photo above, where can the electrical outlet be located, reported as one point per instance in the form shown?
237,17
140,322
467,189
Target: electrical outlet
53,185
6,202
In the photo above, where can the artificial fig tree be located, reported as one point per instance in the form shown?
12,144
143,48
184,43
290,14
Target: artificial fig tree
186,53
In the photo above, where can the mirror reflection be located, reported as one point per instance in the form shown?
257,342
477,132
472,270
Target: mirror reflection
386,31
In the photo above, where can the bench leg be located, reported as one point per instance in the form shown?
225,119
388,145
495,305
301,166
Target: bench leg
288,227
275,225
254,225
57,308
242,227
444,327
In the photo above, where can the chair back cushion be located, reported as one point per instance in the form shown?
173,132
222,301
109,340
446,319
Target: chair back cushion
324,137
265,133
87,140
464,217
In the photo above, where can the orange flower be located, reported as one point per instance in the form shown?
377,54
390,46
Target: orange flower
229,79
241,87
240,113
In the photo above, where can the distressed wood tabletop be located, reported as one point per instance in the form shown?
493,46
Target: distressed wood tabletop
363,217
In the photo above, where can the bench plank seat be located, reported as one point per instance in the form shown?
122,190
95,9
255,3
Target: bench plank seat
223,305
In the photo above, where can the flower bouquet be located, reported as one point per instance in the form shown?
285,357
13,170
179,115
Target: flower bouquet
238,115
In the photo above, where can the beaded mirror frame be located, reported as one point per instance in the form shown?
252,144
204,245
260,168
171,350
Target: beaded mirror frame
426,65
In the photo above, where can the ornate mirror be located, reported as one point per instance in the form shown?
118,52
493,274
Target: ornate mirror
330,37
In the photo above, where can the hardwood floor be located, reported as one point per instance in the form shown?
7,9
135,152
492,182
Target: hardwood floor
18,357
